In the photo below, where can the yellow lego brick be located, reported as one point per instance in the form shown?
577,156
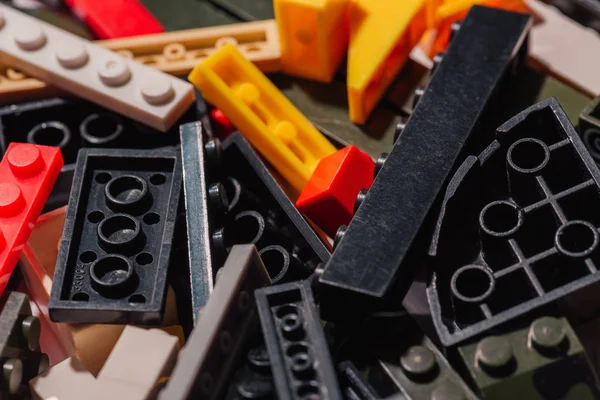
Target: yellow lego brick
382,34
313,36
175,53
262,113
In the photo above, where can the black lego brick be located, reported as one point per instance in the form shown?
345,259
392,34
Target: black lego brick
300,361
467,93
352,383
518,228
74,124
116,244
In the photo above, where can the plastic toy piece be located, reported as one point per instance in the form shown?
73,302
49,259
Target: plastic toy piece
552,48
589,128
585,12
27,173
368,261
72,124
16,87
99,75
115,18
116,244
135,366
544,360
289,247
178,52
292,331
253,380
396,28
518,270
269,120
224,127
19,344
210,354
352,384
329,196
202,260
313,36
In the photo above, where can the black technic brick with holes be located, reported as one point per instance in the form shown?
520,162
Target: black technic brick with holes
260,213
300,361
72,124
20,354
116,244
518,227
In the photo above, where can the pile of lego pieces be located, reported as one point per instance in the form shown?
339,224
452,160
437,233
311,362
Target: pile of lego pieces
179,225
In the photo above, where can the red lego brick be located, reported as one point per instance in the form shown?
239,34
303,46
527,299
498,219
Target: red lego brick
221,123
27,174
328,197
111,19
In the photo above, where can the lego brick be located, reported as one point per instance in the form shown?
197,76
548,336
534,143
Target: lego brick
544,360
189,14
72,124
253,379
396,28
300,361
116,244
246,10
178,52
224,127
313,37
552,48
420,371
210,354
585,12
19,343
116,18
289,247
515,238
202,260
99,75
329,197
589,128
28,173
383,236
16,87
254,105
140,358
353,385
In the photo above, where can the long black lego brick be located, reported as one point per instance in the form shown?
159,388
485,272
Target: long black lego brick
463,96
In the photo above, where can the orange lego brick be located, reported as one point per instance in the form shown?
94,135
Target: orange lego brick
313,36
382,35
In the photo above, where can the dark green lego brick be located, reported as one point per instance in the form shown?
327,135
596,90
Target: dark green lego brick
543,361
188,14
246,10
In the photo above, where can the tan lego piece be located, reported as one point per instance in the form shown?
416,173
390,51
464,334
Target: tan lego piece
91,344
565,49
179,52
175,53
138,361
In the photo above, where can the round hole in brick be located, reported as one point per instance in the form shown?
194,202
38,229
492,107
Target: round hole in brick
286,310
52,133
103,177
576,239
158,179
276,260
111,270
249,227
144,259
95,216
296,349
127,189
87,257
151,219
101,128
501,218
137,299
528,155
80,296
119,229
472,283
